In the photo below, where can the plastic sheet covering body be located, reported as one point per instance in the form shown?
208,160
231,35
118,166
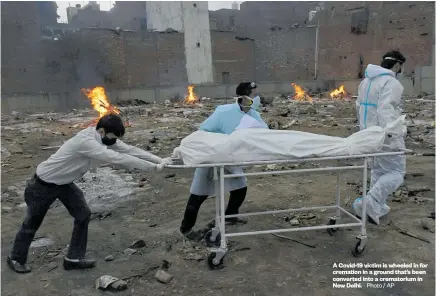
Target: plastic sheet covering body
247,145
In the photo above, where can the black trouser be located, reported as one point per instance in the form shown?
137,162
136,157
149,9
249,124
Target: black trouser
39,196
195,201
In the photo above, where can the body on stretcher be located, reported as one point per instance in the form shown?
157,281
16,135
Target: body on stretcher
217,237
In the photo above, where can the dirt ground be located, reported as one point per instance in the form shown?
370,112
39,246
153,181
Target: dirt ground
131,206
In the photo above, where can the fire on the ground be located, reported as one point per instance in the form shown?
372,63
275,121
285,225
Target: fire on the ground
300,94
99,101
339,93
191,98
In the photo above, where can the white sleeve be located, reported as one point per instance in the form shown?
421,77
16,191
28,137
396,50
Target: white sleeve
95,150
124,148
389,102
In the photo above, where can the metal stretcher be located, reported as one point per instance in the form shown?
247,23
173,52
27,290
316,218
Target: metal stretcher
217,236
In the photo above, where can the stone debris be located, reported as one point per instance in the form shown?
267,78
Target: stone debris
138,244
108,282
109,258
129,251
41,242
163,277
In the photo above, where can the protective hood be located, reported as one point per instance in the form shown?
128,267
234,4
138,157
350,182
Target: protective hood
374,71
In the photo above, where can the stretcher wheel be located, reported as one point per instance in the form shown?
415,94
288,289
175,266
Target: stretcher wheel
211,264
357,251
332,231
210,243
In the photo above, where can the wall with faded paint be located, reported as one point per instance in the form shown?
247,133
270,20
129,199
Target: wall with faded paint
198,50
162,15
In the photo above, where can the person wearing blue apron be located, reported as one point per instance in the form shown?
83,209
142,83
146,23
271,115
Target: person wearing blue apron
224,120
378,104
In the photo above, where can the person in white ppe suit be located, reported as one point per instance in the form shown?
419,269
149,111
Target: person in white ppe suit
224,120
378,104
54,180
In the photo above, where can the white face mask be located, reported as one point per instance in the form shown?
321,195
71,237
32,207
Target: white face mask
256,103
248,105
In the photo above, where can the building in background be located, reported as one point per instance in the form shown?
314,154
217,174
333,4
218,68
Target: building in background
191,18
48,12
130,15
176,43
89,15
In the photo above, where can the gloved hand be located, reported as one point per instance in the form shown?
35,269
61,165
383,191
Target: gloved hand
167,161
396,143
160,167
163,163
156,159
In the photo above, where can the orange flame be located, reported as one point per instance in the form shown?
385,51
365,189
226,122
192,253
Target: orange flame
338,93
300,94
191,98
99,101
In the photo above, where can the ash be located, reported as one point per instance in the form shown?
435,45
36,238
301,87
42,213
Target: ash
105,188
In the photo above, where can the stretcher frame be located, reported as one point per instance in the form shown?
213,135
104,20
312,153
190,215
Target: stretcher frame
217,236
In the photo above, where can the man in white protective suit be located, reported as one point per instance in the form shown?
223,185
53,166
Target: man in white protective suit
378,104
225,120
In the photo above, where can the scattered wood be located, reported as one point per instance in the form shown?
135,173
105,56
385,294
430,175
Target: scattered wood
405,232
50,147
294,240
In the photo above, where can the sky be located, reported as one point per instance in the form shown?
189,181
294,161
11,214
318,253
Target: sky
107,5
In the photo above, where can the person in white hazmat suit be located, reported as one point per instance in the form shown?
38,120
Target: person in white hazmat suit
378,104
224,120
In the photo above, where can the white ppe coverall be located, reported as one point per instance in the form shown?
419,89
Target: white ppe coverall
378,104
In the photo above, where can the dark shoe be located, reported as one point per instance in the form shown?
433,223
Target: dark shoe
70,264
368,219
235,220
193,235
229,221
17,267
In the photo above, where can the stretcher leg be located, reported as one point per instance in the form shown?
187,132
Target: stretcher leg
332,220
338,193
213,237
362,238
216,258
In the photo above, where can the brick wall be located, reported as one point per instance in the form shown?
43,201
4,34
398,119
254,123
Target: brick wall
233,55
256,17
279,52
407,26
103,49
285,56
21,48
171,58
141,59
